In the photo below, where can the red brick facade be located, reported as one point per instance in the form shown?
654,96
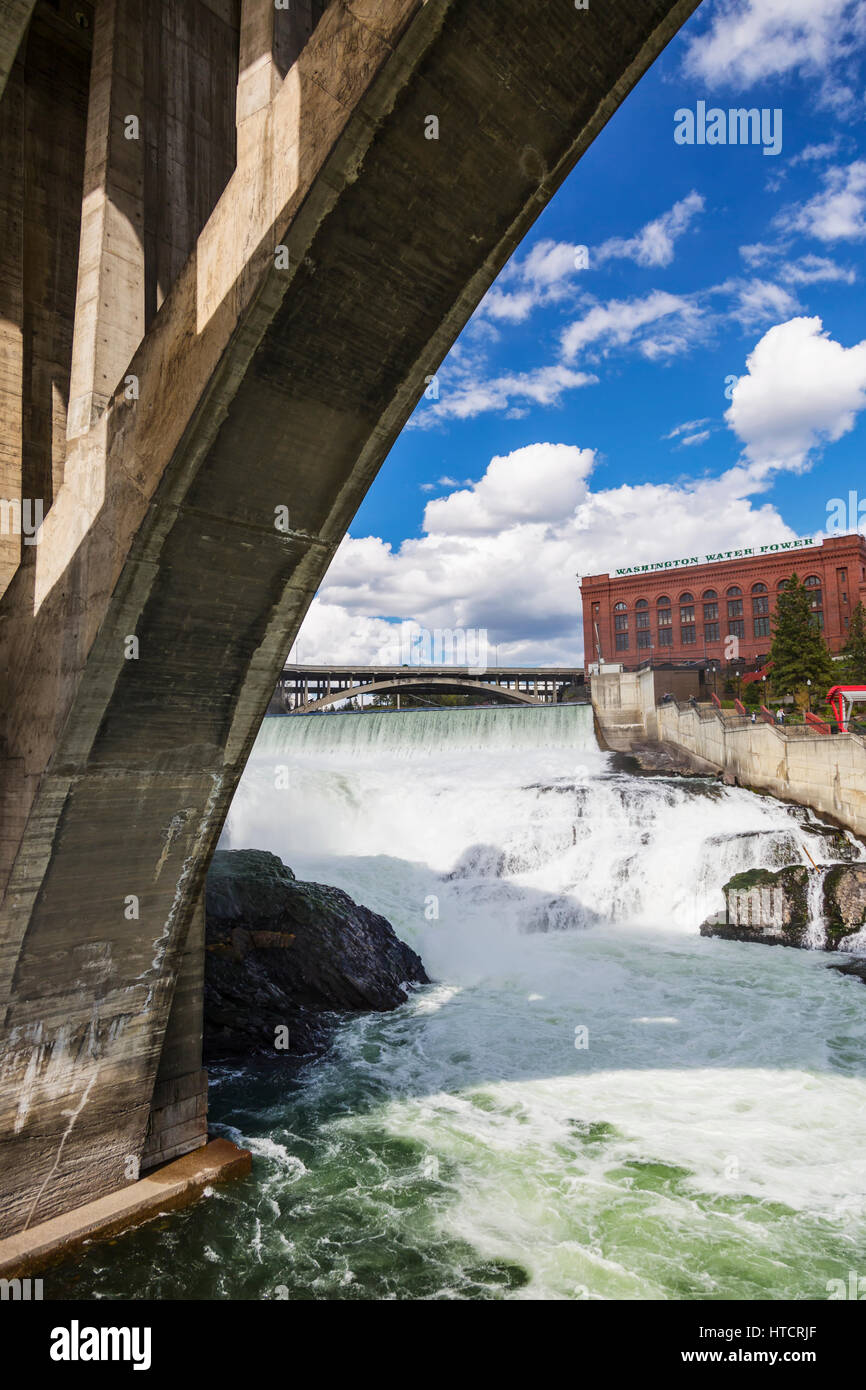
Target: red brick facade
684,612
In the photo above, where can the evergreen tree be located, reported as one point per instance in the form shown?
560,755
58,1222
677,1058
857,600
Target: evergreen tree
799,652
752,693
854,650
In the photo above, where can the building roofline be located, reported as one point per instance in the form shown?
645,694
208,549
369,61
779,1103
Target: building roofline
739,558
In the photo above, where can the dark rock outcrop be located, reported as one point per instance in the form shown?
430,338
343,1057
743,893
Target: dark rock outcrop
283,959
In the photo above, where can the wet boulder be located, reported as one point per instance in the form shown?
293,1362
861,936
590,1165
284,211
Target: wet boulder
766,905
777,906
845,899
285,959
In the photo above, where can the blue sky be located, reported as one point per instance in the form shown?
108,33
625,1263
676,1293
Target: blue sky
582,419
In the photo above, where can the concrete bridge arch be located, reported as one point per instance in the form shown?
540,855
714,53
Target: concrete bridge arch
437,685
221,423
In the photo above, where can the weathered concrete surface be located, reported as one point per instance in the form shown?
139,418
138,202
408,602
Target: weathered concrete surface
177,1185
43,119
14,18
259,388
826,773
178,1109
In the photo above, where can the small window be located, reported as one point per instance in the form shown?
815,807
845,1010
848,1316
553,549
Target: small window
620,607
735,607
782,584
687,614
761,604
711,610
666,636
665,617
710,594
812,581
664,601
759,588
641,603
622,641
620,622
711,632
643,640
734,590
688,636
643,620
736,629
687,598
762,627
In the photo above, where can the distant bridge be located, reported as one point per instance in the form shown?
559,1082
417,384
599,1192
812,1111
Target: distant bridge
305,689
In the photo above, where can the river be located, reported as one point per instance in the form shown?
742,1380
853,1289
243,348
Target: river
591,1101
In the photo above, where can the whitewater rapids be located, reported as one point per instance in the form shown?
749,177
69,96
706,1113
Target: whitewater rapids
592,1101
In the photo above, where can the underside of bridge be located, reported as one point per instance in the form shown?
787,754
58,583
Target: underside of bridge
231,255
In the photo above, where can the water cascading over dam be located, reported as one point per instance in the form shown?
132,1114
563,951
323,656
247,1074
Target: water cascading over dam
591,1100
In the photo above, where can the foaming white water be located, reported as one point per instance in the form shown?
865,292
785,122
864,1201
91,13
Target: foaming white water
708,1140
514,814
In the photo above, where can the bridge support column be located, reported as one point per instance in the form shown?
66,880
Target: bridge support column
178,1111
109,310
11,315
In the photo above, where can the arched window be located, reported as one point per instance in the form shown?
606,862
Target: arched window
664,601
816,598
735,608
782,584
620,607
687,598
641,603
711,613
761,609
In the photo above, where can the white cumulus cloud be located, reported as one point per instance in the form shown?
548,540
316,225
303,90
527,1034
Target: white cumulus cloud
801,389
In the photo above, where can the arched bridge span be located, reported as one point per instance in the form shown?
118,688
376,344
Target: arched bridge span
251,330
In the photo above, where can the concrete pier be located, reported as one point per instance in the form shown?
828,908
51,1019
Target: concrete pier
167,1189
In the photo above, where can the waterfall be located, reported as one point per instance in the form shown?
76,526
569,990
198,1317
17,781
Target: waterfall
816,932
512,814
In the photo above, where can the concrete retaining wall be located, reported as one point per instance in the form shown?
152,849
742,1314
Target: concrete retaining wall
825,772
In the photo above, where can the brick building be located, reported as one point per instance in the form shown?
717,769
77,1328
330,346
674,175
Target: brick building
682,610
